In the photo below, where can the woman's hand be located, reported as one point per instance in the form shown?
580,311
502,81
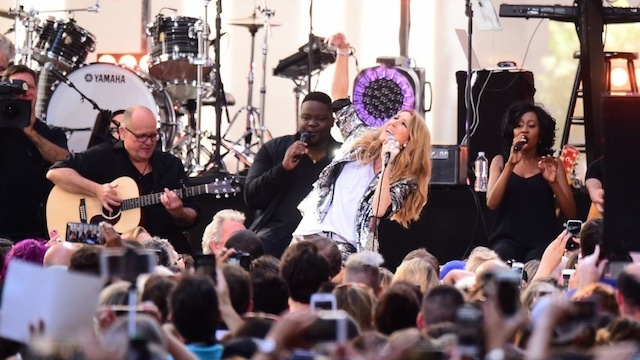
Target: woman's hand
516,155
339,40
391,147
549,167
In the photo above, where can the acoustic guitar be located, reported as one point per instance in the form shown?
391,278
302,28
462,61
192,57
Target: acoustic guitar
63,207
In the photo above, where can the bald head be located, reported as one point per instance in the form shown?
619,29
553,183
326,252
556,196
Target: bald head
60,254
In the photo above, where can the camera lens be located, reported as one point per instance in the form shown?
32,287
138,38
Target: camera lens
10,111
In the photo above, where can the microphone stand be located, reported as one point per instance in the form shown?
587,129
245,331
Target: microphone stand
218,165
467,88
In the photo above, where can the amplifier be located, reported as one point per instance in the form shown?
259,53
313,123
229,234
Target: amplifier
448,165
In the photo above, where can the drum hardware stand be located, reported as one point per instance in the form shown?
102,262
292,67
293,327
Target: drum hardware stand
216,160
298,89
252,112
268,13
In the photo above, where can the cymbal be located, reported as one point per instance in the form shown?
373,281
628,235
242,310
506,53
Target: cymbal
11,14
252,22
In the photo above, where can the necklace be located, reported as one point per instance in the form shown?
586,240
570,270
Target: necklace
144,171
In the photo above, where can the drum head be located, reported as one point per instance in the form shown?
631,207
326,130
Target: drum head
113,88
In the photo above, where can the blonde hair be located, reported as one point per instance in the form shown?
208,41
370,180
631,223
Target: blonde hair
357,300
478,256
417,272
133,233
413,162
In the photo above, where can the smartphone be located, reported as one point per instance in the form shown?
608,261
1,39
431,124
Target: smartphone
84,233
469,330
205,264
518,269
126,263
323,301
506,287
331,326
584,311
566,275
242,259
573,228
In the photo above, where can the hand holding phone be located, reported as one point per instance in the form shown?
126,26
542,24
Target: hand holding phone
573,228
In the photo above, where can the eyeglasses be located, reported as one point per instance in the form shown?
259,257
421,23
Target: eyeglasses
144,137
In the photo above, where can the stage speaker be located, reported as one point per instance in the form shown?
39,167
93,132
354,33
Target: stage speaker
621,174
448,165
492,93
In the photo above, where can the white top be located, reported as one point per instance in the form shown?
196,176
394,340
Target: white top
341,216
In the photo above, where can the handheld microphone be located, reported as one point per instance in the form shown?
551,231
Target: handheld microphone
304,137
387,156
52,69
518,146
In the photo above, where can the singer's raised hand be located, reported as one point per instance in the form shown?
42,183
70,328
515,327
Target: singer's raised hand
291,158
339,40
548,165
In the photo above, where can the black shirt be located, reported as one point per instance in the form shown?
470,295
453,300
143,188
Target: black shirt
106,162
276,193
23,184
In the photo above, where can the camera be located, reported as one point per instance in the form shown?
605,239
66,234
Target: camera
241,258
14,113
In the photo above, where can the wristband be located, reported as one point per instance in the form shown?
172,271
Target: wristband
347,53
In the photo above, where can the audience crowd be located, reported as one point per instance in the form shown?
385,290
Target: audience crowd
308,304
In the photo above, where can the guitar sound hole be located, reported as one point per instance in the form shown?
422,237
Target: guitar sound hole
100,218
110,216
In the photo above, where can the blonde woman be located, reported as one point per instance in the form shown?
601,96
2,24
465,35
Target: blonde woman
417,272
380,173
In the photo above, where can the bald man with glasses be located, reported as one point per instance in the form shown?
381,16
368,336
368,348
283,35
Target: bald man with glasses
136,156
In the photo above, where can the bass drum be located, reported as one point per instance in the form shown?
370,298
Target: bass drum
113,88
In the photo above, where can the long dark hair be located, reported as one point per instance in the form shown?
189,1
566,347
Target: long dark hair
547,125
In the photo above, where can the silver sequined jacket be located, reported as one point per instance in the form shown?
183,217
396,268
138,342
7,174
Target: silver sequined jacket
352,127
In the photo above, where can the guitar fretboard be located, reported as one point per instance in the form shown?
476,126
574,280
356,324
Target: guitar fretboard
217,188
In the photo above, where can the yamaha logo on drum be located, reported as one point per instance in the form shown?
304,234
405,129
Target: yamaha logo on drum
105,78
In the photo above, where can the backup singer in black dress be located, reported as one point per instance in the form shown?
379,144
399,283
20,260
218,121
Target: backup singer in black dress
526,187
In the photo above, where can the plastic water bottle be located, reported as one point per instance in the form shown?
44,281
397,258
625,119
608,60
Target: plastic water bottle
481,169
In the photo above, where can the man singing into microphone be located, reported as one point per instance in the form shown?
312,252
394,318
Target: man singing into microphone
526,187
25,156
284,170
381,172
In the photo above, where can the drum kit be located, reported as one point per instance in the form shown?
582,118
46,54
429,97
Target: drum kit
181,79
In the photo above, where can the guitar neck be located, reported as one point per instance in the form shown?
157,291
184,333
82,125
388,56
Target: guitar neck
153,199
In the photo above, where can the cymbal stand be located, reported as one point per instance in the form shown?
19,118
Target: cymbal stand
268,13
30,24
200,61
252,112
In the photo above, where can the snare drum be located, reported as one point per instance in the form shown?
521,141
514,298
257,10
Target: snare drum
63,42
174,45
112,87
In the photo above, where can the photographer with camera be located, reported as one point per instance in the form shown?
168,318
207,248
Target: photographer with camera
27,148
